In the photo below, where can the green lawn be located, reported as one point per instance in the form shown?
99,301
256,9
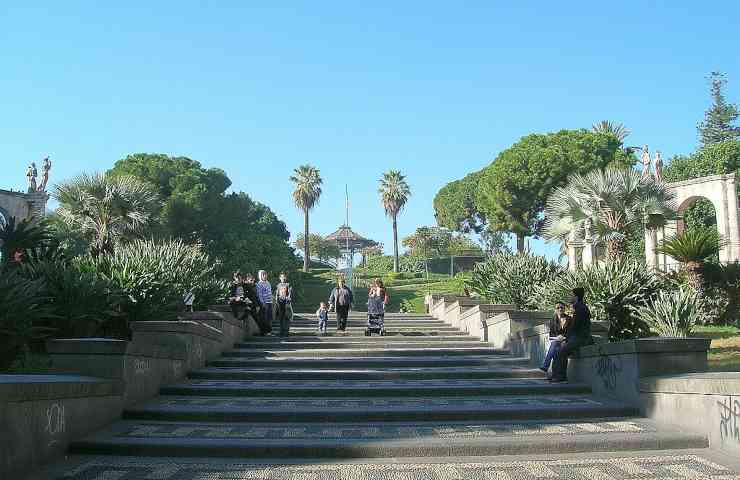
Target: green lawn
724,353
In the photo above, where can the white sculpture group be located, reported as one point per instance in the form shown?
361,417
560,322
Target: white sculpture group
657,162
32,173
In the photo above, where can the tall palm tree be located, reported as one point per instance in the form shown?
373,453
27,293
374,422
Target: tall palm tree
692,248
611,128
106,208
604,205
394,193
306,195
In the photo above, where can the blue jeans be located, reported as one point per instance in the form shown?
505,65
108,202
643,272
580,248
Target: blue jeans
551,352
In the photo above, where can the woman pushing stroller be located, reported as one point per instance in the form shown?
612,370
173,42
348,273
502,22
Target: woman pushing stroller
376,301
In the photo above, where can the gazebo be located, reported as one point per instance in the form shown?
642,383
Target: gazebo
349,242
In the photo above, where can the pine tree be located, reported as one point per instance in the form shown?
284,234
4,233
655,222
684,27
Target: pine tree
718,120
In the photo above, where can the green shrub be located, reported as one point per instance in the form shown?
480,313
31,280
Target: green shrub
380,264
722,297
23,312
510,278
613,293
154,275
672,313
83,303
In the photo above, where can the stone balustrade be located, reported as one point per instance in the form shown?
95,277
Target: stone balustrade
474,320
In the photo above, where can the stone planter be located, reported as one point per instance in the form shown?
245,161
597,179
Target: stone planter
614,369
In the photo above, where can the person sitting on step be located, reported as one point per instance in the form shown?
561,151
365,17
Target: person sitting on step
577,335
558,329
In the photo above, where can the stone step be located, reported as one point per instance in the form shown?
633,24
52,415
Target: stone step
360,351
277,373
361,323
409,409
381,440
360,327
376,343
658,464
372,388
331,339
360,331
337,361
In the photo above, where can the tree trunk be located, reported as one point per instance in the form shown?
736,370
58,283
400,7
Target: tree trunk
520,242
695,276
306,254
615,249
395,244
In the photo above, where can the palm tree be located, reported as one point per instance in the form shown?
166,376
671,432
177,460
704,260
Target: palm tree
611,128
106,208
306,195
604,205
394,193
21,237
692,248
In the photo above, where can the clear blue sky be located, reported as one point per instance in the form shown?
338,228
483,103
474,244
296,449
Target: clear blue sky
435,89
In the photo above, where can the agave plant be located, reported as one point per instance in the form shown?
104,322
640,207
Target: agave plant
604,206
672,313
510,278
613,292
692,248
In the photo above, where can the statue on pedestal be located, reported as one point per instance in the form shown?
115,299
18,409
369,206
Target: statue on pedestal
45,174
658,167
645,162
31,174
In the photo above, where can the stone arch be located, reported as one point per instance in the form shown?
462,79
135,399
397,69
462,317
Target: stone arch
721,191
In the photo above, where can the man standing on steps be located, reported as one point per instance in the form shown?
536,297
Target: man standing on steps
264,293
578,335
341,300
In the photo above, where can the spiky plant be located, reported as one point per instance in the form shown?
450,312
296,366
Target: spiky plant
672,313
692,248
106,208
21,237
605,205
394,194
618,130
307,181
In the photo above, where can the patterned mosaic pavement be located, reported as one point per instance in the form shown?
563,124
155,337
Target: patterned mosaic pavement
674,467
343,431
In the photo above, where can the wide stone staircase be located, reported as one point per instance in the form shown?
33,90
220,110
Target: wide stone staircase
424,401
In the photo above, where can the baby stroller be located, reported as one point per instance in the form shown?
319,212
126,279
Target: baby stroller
375,316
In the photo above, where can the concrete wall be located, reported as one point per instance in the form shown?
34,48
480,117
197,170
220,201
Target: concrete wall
474,320
22,205
614,370
41,414
705,403
500,328
455,308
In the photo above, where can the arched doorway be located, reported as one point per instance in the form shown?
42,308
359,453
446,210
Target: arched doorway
720,191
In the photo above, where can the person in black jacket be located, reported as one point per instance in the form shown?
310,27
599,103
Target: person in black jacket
341,300
236,295
558,329
577,335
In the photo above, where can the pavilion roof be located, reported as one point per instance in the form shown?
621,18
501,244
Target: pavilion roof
345,235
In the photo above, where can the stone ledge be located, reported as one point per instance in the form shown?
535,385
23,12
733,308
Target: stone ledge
712,383
221,316
188,327
26,388
106,346
647,345
520,316
488,308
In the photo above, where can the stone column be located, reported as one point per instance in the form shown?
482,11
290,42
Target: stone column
572,253
588,257
731,230
651,242
37,204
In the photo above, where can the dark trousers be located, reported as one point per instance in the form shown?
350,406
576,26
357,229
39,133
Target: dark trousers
282,314
560,361
266,317
237,308
551,352
342,312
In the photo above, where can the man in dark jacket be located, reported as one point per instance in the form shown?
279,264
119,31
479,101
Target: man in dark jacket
577,335
341,300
